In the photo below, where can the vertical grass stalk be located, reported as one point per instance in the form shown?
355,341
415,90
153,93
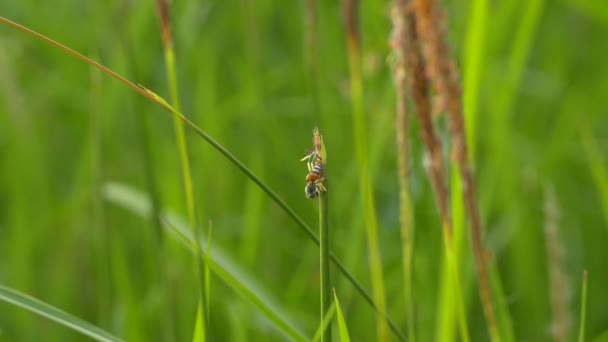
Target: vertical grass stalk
97,209
169,316
324,240
583,321
454,271
324,261
162,7
349,8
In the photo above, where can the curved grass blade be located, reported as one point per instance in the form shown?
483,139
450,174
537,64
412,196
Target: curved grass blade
36,306
219,261
163,103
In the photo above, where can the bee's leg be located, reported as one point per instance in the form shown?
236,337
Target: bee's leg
320,185
310,166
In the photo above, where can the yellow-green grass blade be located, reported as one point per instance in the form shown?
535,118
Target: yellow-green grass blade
325,326
199,325
583,320
43,309
219,261
365,181
344,337
450,307
182,147
474,62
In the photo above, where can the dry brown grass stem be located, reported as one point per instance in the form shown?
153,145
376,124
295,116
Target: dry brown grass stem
417,81
406,212
349,15
441,71
162,7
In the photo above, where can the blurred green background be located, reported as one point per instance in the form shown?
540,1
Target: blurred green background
540,116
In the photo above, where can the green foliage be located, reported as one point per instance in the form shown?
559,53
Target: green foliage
532,71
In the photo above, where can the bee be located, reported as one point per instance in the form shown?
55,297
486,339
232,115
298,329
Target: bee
314,178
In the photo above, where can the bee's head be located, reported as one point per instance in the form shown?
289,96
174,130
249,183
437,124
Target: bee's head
311,190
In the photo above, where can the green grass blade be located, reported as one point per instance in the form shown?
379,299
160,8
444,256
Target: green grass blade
199,326
45,310
474,57
162,7
583,321
208,272
324,239
324,325
503,316
450,308
341,322
365,180
220,263
324,261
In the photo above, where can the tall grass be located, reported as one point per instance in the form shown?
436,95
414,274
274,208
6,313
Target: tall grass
353,43
256,80
162,8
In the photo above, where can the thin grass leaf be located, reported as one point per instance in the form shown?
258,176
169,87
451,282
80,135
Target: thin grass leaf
474,62
207,271
341,322
220,263
199,326
352,29
583,321
36,306
324,239
162,7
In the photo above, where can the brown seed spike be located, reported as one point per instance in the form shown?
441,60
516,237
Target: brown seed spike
316,140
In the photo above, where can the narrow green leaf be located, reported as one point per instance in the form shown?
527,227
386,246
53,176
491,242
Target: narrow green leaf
583,321
45,310
199,327
207,272
341,322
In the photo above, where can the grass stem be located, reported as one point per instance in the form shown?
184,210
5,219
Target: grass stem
361,143
583,321
162,7
324,261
